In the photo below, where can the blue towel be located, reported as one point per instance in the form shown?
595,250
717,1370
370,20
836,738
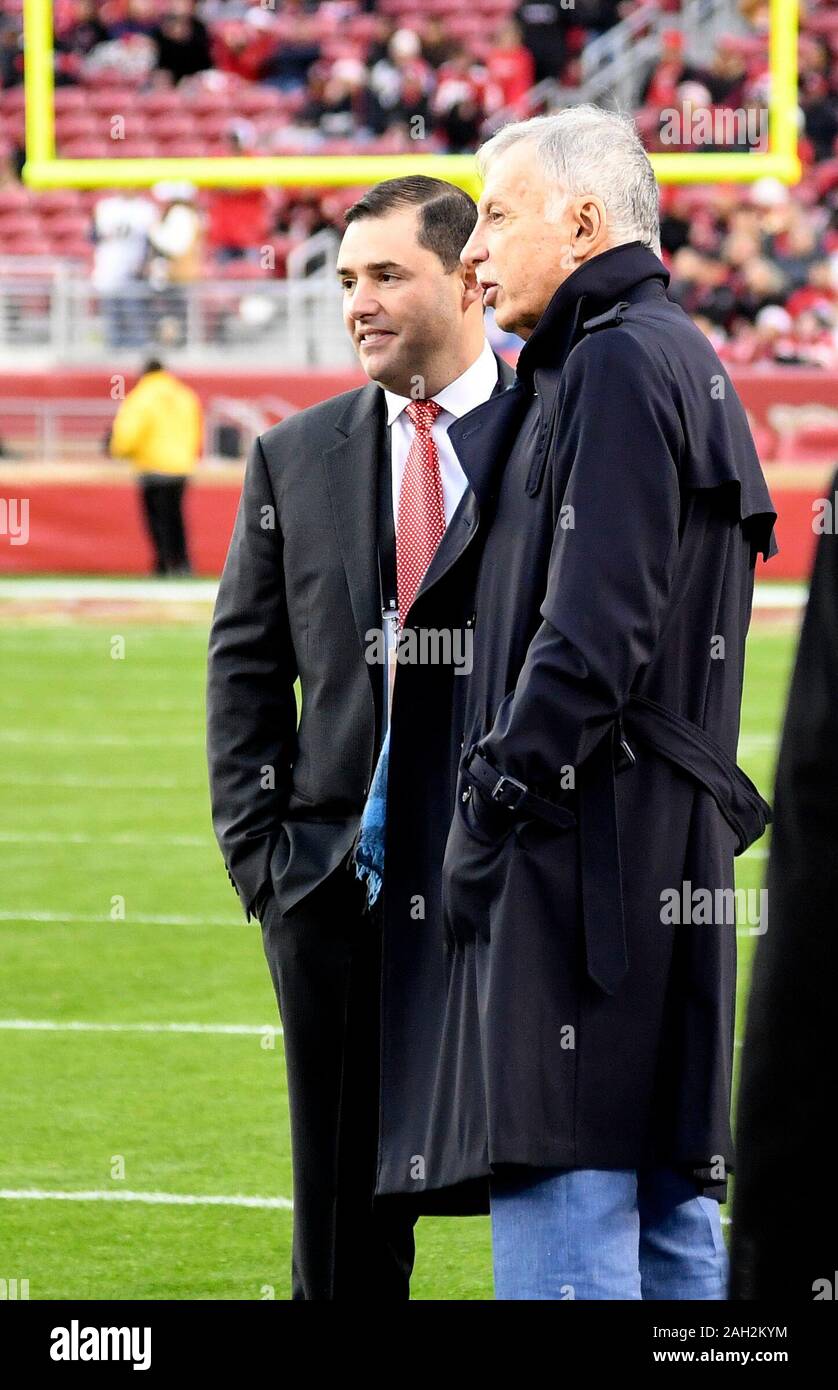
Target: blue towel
368,855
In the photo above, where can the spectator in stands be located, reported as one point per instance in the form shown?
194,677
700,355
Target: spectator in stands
341,103
287,67
243,48
141,18
11,51
463,93
183,42
798,249
239,222
403,80
544,25
159,428
121,226
666,73
86,31
437,44
700,287
510,65
177,240
819,290
820,110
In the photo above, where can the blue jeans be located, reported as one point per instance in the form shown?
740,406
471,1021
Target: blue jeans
605,1234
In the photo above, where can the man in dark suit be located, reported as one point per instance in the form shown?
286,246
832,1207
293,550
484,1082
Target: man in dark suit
343,508
783,1249
588,881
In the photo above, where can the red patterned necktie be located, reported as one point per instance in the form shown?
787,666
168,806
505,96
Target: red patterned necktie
421,521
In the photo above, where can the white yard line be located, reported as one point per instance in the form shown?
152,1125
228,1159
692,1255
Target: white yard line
132,919
204,590
46,1025
71,586
150,784
780,595
66,739
59,837
184,1199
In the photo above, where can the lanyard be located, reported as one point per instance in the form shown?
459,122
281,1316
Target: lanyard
388,588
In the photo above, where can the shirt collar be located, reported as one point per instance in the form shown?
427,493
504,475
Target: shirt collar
474,386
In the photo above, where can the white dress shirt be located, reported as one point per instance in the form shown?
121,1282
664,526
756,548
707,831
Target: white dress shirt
471,389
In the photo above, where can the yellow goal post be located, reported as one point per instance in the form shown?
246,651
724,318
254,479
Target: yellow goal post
42,169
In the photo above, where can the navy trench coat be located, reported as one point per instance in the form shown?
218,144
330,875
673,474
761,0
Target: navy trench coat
551,1007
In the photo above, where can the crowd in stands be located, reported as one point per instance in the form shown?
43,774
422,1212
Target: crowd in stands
756,265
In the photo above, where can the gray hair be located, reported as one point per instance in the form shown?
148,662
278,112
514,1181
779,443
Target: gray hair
584,149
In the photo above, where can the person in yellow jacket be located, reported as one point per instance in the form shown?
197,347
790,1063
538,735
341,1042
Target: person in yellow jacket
159,427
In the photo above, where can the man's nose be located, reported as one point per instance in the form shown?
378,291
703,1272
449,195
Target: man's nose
363,302
474,251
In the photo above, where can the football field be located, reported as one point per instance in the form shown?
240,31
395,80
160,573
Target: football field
145,1136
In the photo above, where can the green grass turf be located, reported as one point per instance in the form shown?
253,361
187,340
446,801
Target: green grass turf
111,752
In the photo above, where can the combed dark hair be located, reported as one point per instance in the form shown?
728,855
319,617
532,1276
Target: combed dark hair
447,215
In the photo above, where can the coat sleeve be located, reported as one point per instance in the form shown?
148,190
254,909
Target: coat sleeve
128,427
251,705
618,441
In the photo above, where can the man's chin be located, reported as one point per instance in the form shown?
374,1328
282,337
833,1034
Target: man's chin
382,365
505,319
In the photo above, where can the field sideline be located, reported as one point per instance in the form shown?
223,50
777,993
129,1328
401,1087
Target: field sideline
146,1149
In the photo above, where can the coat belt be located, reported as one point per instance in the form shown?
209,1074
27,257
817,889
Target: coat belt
682,743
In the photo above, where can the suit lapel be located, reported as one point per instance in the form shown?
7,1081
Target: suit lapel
463,524
480,438
351,467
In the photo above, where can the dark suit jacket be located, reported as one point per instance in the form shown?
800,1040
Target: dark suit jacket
298,594
781,1247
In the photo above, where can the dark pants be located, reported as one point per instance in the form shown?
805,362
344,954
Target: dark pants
162,495
325,963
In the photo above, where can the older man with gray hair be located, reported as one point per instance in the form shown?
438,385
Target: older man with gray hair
585,1064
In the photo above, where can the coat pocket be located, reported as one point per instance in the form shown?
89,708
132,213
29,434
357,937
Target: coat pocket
483,820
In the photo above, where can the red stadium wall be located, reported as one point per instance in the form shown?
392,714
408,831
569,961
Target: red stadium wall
86,518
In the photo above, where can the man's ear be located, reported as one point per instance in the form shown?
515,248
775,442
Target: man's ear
471,288
589,231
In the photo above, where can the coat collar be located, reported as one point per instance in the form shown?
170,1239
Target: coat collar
595,286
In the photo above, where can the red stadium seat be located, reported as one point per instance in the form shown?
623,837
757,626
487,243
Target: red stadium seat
20,226
112,100
67,225
88,149
185,149
51,202
138,149
13,198
175,127
71,125
159,102
70,99
14,98
74,251
213,125
253,100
